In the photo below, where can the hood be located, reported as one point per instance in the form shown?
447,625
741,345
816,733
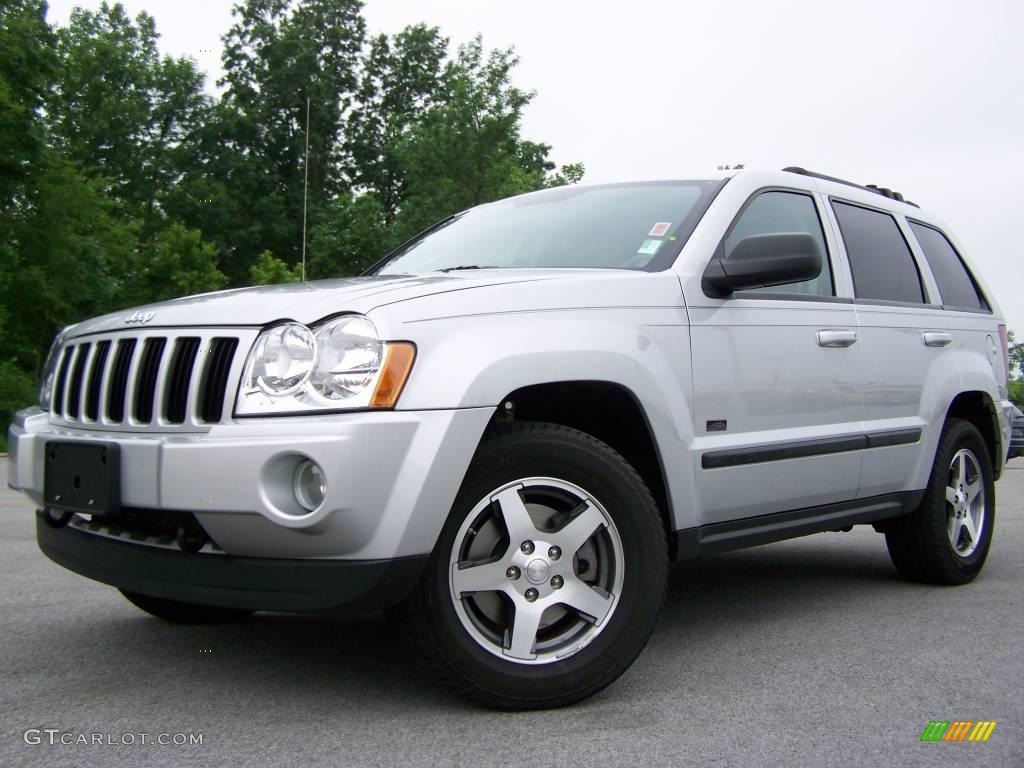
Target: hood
303,302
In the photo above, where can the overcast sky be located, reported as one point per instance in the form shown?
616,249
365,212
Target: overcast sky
923,96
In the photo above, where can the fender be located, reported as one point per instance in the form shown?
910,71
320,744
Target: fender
475,362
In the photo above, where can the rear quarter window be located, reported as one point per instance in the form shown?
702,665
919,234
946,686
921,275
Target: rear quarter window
956,284
881,262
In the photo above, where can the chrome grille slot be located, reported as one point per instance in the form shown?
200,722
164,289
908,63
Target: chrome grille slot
146,378
149,381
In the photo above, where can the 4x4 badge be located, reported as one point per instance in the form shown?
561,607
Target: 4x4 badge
139,317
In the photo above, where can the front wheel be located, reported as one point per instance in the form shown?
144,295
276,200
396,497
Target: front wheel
548,576
946,540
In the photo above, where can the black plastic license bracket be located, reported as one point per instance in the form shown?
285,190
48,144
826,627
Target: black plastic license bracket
83,476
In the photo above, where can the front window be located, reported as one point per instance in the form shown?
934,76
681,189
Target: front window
640,226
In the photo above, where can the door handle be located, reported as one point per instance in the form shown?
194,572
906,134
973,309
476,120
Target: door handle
837,338
936,338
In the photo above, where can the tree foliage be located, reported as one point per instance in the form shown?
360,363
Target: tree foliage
1016,354
123,181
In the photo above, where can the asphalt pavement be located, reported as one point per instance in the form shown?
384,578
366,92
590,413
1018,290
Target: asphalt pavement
805,653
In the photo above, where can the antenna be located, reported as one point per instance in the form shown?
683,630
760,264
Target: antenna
305,193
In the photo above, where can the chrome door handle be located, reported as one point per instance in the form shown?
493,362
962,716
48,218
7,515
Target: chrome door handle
837,338
936,338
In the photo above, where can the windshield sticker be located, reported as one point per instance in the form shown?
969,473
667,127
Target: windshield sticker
650,247
660,229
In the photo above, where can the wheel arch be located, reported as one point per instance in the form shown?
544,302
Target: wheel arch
978,408
613,414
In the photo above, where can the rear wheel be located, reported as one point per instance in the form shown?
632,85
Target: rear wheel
946,540
185,613
549,574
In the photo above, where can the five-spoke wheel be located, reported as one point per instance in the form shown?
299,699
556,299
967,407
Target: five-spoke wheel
965,495
537,570
548,575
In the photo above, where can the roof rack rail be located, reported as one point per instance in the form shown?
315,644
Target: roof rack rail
883,191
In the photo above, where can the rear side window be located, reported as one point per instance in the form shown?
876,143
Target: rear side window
956,285
883,266
775,212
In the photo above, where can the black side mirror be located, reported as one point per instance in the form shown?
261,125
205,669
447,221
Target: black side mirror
763,260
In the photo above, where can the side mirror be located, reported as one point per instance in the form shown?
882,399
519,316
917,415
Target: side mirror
759,261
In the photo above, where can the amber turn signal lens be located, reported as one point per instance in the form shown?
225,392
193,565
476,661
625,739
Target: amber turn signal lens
398,359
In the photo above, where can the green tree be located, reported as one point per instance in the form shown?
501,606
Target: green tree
467,147
27,66
270,270
121,111
176,263
1017,393
401,78
351,235
277,55
1016,354
571,173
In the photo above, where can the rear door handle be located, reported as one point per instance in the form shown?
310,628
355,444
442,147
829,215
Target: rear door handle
936,338
837,338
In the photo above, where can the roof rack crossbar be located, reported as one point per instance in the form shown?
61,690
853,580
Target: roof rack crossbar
883,191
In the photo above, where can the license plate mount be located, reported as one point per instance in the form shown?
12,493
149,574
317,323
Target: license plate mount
83,476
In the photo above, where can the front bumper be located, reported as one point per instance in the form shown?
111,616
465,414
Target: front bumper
255,583
391,478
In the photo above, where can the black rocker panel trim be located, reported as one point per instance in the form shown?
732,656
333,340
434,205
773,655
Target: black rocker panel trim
778,526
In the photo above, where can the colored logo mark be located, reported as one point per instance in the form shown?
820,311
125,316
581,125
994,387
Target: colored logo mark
958,730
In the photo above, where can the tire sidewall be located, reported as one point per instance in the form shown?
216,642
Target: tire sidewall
965,435
620,491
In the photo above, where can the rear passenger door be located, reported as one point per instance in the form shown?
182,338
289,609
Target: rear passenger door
903,345
776,375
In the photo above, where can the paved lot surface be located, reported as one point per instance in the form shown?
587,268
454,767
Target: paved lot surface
806,653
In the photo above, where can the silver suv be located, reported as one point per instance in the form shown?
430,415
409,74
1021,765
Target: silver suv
512,425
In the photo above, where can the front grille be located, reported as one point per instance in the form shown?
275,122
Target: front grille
156,380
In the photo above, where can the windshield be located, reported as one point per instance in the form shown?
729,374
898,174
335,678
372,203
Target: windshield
638,226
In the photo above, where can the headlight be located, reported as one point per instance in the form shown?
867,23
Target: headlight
350,355
282,359
339,364
50,372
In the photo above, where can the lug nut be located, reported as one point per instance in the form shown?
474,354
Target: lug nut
512,573
526,547
556,582
554,553
531,595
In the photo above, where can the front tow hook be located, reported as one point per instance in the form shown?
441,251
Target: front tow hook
57,518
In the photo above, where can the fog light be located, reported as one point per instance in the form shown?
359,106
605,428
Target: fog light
309,485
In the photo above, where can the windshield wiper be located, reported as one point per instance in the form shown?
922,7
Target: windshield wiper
465,266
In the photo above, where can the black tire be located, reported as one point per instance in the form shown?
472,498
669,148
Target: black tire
185,613
919,543
532,450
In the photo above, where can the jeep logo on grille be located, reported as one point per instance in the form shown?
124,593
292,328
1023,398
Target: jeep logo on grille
140,318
